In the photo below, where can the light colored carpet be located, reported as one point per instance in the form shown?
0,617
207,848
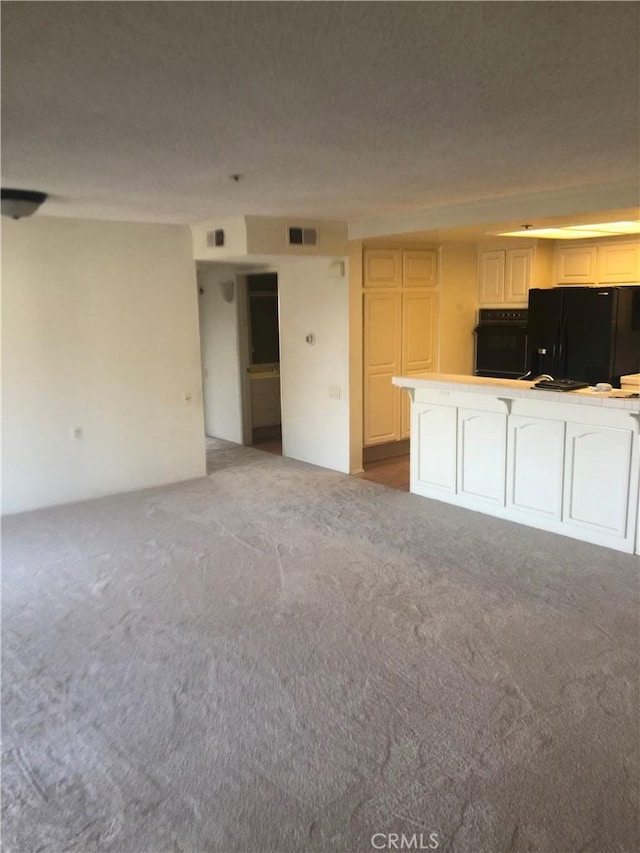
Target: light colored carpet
282,658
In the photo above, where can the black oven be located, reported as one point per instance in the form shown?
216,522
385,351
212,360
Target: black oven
501,343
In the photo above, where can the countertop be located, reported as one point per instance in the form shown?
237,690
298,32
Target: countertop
616,399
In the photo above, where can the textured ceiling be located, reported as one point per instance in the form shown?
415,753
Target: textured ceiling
343,110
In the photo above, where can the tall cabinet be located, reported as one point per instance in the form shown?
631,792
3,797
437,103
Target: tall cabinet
400,314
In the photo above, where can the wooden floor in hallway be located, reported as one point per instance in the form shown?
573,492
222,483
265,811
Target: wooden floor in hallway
269,445
392,472
389,472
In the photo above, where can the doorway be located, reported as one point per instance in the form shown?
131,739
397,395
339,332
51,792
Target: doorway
263,362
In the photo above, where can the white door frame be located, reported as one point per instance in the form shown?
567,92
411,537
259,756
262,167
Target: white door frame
244,356
244,348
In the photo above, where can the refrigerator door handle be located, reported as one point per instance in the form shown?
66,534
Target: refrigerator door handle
562,338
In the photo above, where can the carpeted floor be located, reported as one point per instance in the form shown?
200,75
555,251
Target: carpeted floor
282,658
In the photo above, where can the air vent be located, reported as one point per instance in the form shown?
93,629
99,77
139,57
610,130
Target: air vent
303,236
215,238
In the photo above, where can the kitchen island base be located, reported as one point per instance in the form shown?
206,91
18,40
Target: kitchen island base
567,463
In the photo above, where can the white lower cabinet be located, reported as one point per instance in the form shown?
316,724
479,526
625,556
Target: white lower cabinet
482,442
433,461
530,461
535,466
598,466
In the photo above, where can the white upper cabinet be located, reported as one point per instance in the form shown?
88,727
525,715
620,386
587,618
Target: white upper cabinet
619,262
492,265
597,262
382,268
419,268
576,264
517,279
505,276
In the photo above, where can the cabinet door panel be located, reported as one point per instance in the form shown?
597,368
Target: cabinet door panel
382,412
598,463
382,331
419,268
382,327
482,445
419,324
419,329
576,265
619,263
433,459
491,277
518,275
382,268
535,465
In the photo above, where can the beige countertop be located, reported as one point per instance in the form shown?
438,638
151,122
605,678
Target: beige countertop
616,399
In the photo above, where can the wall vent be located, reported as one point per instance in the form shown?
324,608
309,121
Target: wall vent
215,238
302,236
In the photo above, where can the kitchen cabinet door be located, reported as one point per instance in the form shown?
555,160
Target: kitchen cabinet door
534,466
419,268
419,327
491,278
598,462
575,264
382,358
619,263
517,279
433,448
482,445
382,268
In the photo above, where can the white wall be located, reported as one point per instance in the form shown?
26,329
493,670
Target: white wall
315,426
356,412
100,331
220,353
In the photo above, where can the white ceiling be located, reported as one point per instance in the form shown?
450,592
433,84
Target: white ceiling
348,110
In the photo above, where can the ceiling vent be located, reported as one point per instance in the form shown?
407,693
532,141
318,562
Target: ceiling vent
215,238
302,236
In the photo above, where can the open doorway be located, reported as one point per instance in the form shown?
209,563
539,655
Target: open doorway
263,362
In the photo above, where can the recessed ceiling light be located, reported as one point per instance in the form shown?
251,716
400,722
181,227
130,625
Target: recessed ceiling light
611,227
576,232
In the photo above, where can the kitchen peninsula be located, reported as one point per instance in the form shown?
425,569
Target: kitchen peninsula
567,462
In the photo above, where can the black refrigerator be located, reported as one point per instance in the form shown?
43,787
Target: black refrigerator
591,334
